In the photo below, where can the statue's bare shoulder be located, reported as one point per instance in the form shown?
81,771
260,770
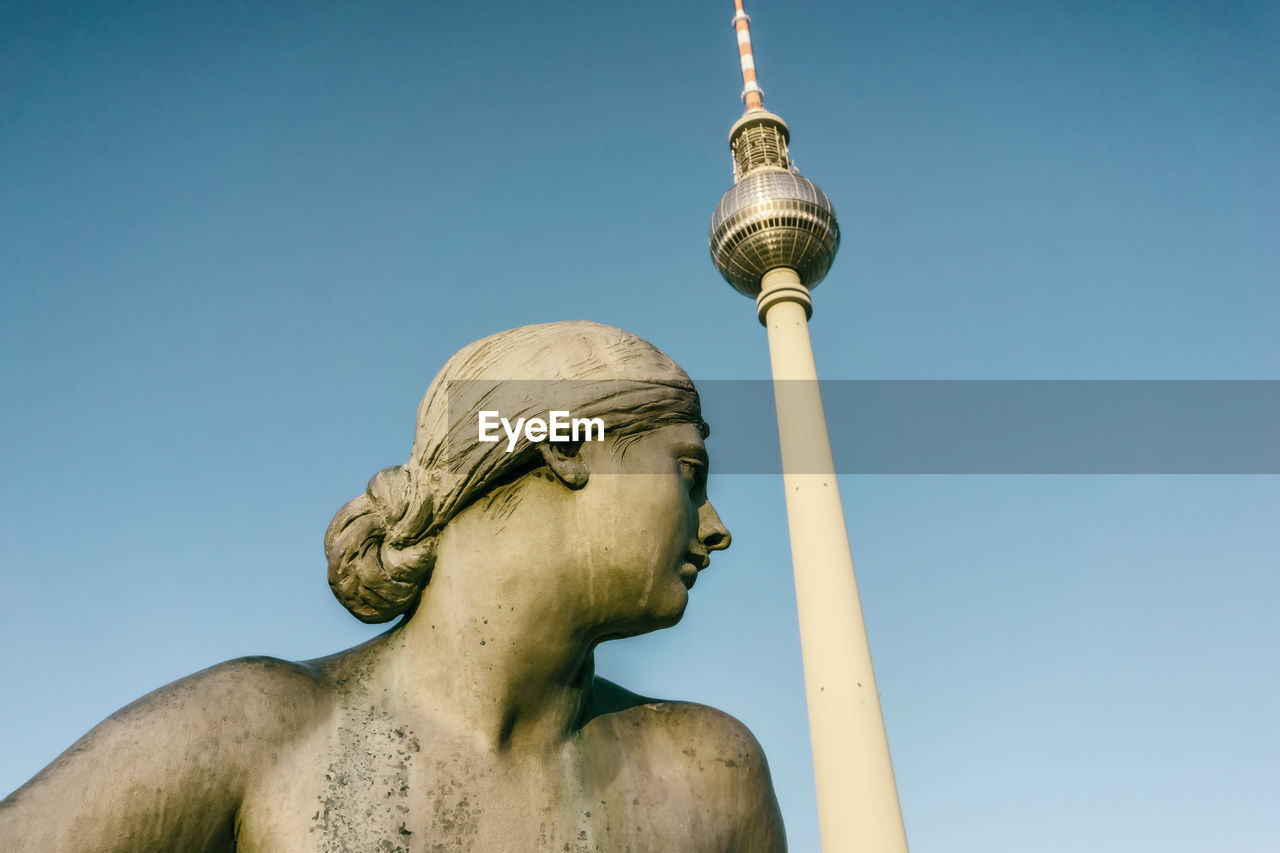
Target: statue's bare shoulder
721,763
169,770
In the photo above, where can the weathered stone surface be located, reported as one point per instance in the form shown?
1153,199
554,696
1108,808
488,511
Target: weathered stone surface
477,722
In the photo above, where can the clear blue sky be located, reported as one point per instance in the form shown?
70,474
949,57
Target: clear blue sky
237,240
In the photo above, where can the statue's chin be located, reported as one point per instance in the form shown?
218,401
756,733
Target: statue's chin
655,623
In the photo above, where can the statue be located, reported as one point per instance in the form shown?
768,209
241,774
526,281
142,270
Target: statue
477,722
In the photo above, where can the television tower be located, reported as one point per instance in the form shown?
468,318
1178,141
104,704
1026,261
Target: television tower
773,237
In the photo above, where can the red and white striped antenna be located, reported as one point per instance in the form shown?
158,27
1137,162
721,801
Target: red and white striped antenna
752,94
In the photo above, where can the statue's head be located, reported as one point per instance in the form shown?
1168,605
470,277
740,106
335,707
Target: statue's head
383,546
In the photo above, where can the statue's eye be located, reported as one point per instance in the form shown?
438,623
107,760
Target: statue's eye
694,473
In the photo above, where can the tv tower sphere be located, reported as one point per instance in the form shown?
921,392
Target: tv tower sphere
771,217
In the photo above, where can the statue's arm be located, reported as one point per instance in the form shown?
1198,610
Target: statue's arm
169,771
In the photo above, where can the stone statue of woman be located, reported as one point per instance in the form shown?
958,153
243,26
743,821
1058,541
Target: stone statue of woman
477,722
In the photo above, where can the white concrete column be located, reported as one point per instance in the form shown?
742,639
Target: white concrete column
858,808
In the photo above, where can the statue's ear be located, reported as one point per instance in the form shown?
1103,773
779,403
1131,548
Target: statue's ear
564,458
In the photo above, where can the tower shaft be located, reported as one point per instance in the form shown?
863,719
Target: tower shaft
858,807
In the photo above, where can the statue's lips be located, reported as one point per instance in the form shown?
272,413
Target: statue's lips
689,575
694,562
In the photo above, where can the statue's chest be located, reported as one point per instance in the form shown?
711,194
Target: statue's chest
388,788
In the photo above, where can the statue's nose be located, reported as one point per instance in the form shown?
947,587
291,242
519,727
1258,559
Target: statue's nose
712,533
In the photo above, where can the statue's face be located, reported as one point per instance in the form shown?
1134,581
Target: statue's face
652,528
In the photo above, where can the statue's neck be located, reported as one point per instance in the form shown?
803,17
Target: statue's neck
514,675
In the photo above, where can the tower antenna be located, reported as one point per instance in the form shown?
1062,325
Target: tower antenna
752,94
